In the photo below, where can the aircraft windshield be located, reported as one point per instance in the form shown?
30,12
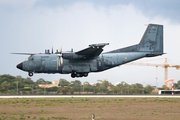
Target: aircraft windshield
29,59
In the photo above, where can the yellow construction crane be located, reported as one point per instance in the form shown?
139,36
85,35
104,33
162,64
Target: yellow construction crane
165,66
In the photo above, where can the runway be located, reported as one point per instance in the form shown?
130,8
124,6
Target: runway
98,96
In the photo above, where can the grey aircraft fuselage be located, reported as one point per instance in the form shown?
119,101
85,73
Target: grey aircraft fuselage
80,63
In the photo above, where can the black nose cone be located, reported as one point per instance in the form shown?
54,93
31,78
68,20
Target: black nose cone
19,66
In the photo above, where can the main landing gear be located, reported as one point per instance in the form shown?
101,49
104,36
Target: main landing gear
73,75
30,74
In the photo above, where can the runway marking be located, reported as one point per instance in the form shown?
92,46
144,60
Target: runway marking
95,96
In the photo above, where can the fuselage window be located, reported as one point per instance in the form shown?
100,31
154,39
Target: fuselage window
99,63
43,64
94,63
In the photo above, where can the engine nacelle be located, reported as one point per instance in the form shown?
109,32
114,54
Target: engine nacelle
72,56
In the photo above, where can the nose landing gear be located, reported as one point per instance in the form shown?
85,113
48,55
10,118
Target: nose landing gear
30,74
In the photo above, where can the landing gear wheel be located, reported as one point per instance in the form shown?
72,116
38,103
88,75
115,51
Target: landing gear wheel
85,74
73,75
78,75
30,74
81,75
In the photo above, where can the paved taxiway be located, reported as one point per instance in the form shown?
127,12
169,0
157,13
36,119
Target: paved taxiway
66,96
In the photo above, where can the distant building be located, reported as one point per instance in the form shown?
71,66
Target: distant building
109,88
169,85
177,91
54,84
155,91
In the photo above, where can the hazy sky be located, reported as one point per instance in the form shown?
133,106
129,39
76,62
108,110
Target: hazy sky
35,25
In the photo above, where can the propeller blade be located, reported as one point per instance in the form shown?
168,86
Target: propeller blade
60,57
61,50
61,60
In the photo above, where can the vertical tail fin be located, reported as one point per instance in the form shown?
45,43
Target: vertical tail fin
152,40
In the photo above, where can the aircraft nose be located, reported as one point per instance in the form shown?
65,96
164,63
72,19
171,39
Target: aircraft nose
19,66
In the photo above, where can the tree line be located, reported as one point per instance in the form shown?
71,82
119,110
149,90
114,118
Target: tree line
18,85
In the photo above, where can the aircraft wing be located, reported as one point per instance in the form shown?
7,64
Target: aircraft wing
24,53
92,50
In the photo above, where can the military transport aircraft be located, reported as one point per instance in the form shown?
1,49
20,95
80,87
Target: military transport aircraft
80,63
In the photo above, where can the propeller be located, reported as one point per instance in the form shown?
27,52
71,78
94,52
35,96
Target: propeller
61,50
52,50
60,57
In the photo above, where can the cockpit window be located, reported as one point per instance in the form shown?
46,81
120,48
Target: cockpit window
30,58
